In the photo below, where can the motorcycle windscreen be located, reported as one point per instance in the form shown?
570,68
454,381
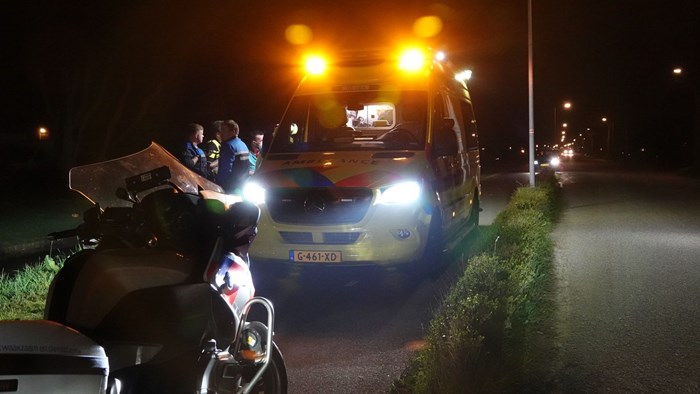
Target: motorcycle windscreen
99,182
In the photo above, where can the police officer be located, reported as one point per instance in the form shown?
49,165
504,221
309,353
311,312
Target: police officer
212,147
191,155
233,159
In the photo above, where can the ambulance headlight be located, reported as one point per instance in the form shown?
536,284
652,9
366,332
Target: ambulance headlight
464,76
254,192
401,193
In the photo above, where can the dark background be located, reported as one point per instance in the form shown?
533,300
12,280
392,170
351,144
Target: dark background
108,77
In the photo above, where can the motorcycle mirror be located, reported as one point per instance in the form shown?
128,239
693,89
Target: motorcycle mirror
123,194
239,217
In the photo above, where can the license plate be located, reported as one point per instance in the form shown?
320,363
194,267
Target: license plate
315,256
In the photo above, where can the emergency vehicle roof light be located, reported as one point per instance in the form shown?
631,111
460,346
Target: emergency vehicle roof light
412,60
315,65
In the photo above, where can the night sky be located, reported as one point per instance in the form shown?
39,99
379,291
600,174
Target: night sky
115,75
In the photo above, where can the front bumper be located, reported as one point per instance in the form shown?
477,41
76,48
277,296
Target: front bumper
387,235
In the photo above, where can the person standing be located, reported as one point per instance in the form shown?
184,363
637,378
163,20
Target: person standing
191,155
212,147
233,159
256,144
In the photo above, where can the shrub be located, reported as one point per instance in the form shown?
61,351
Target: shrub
482,337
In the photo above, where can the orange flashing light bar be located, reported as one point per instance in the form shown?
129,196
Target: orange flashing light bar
315,65
410,60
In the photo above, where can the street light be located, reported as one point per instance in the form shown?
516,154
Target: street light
531,106
567,106
610,125
689,79
43,133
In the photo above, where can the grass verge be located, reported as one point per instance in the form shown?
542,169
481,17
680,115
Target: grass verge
23,295
491,331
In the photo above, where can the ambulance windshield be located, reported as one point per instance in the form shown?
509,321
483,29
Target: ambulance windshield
346,121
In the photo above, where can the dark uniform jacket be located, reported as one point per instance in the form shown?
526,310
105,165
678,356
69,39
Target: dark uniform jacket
187,155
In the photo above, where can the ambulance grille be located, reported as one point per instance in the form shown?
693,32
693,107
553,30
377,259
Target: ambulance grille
297,237
318,206
334,238
340,238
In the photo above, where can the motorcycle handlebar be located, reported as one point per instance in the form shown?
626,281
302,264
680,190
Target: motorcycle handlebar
56,235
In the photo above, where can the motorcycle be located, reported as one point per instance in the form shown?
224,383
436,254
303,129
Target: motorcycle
158,300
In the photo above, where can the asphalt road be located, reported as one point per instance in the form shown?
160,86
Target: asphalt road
344,331
628,267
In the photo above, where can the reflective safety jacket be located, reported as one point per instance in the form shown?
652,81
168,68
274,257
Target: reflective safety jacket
212,149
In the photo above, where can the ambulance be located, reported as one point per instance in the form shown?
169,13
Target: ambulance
375,162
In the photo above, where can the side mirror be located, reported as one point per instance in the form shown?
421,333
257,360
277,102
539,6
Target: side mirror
240,220
122,194
448,124
445,139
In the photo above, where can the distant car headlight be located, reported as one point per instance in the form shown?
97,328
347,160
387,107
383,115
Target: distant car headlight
401,193
254,192
554,162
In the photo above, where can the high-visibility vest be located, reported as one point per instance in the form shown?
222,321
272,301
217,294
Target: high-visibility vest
212,148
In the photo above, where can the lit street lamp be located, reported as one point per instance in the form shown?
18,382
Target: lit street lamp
531,106
567,106
688,80
611,127
42,133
